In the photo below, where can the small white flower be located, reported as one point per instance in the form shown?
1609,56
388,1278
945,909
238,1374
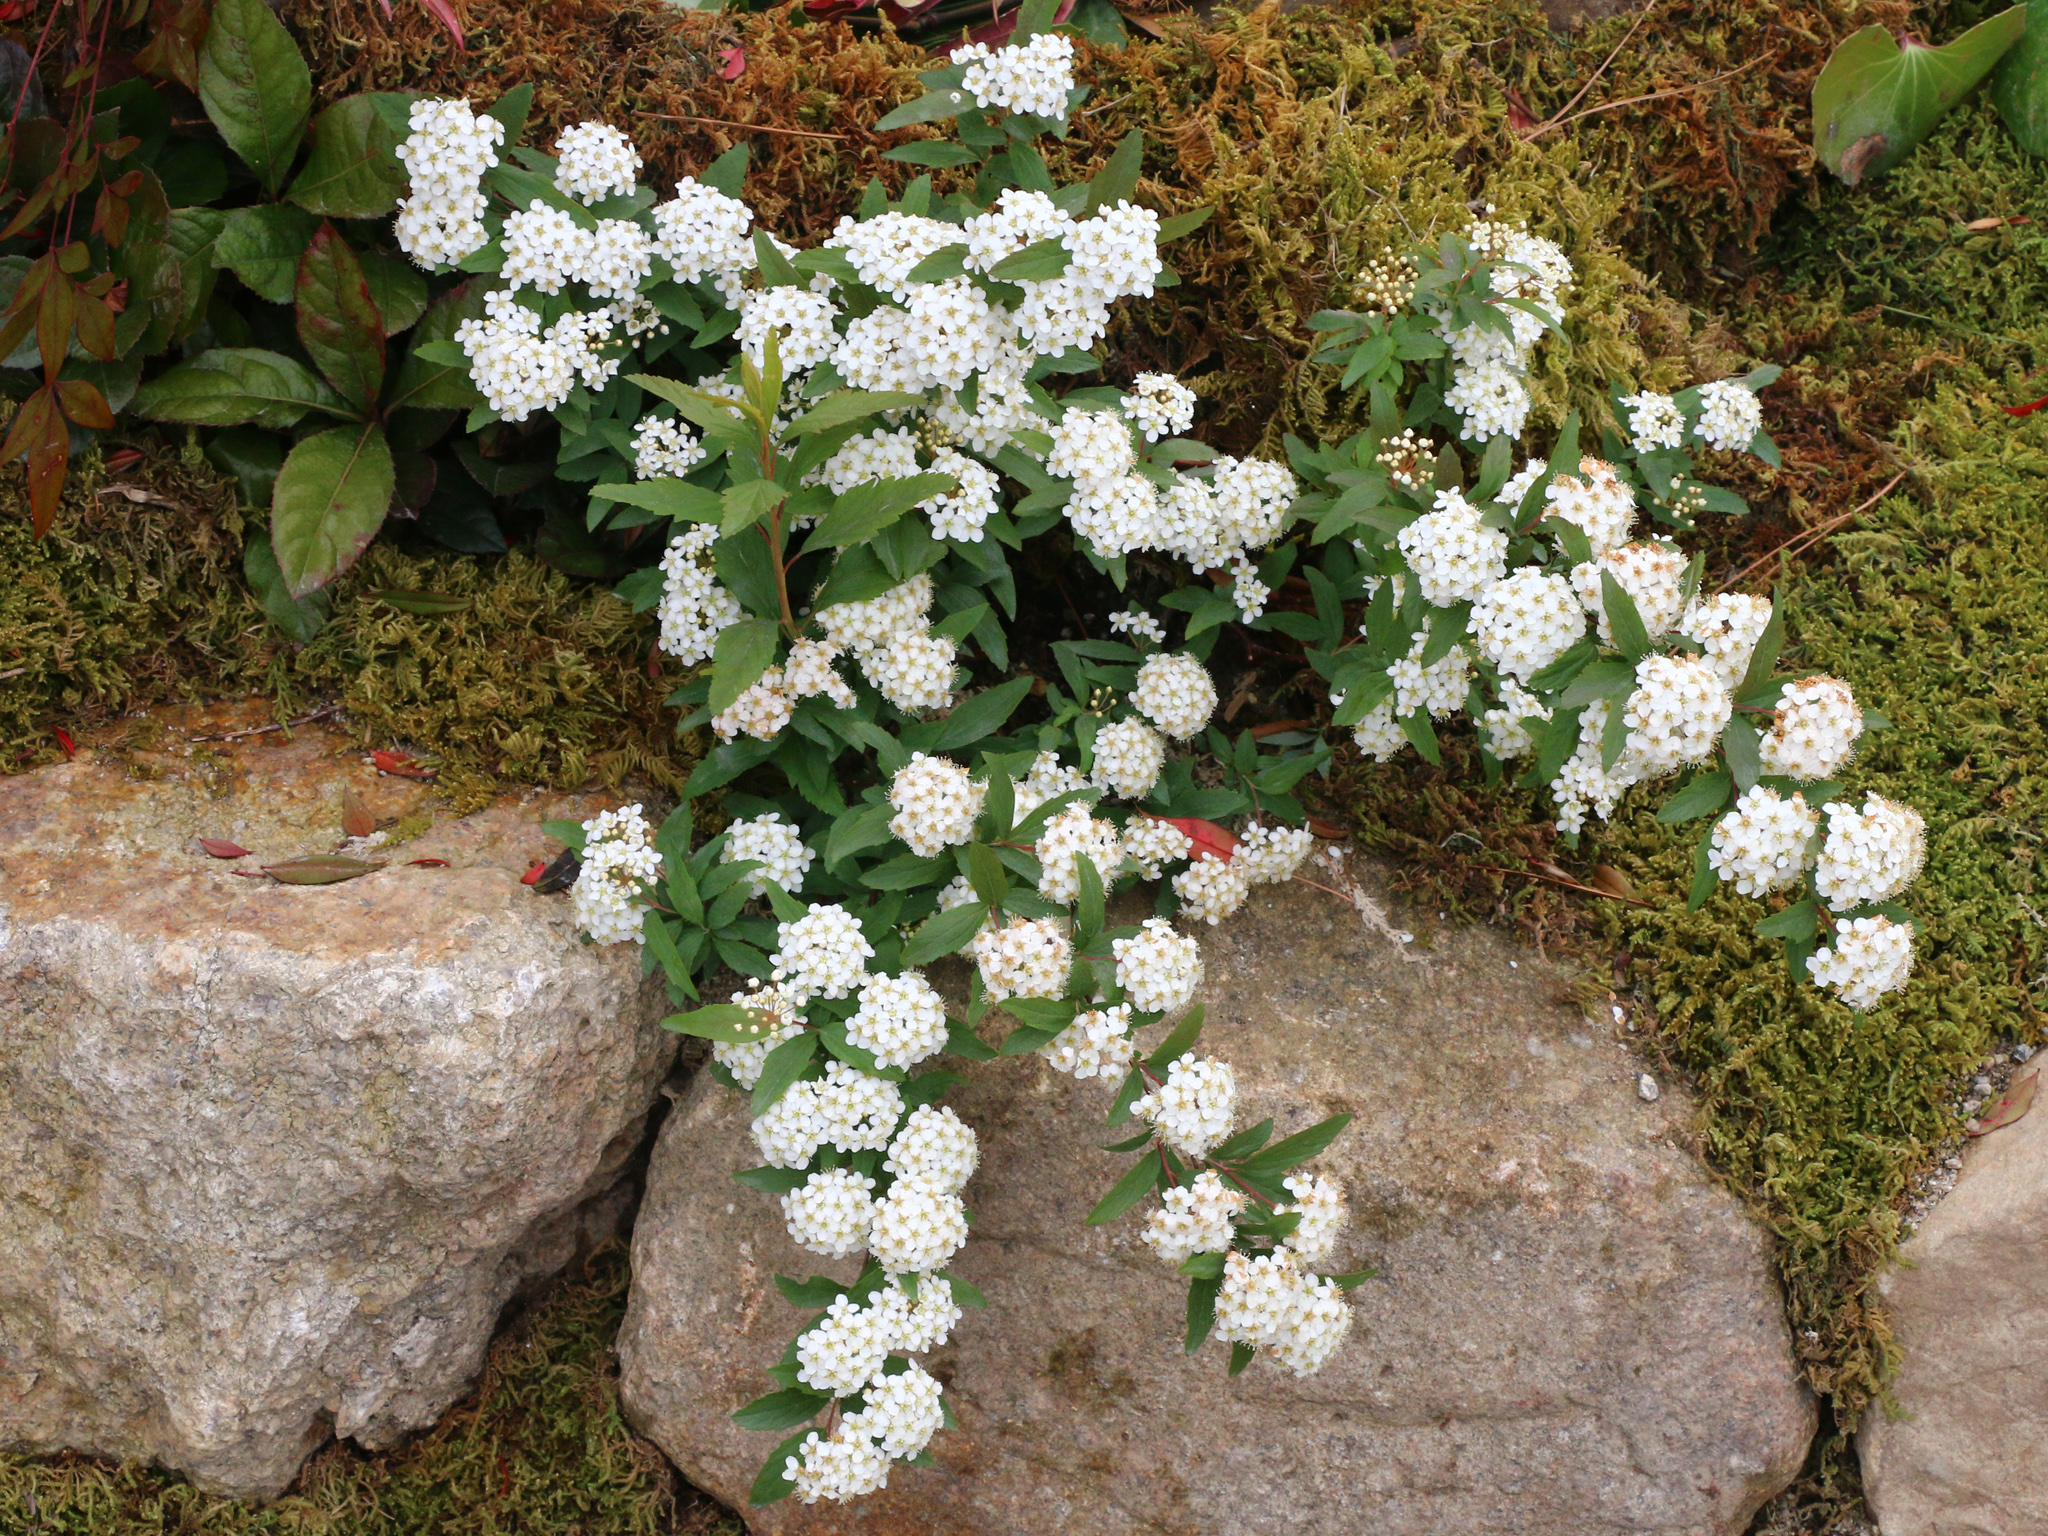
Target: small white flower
917,1227
1210,889
822,954
901,1020
1097,1044
1761,844
1818,724
902,1412
1028,958
831,1213
1193,1109
1174,692
1193,1218
1152,843
1270,855
1323,1213
1454,554
936,1147
1067,836
1158,968
1869,958
1730,415
1654,422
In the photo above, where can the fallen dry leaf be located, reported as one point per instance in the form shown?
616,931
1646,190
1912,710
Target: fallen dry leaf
428,863
2019,1098
399,764
2025,410
221,848
1611,880
1206,836
1326,829
1996,221
64,740
1520,118
732,63
317,869
356,819
534,871
142,496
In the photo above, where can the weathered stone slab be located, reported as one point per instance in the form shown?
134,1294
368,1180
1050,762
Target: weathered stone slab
1575,1330
1968,1302
272,1158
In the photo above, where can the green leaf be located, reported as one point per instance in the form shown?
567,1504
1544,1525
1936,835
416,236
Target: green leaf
1202,1295
740,655
1088,910
2020,87
1204,1266
1601,680
262,246
1183,224
1179,1043
1704,796
1117,181
1798,921
353,172
944,934
298,618
338,322
785,1064
720,1021
746,504
866,510
865,828
1741,746
439,386
191,238
255,86
1036,263
1623,619
568,833
1240,1356
511,109
779,1410
931,152
986,874
849,405
1877,100
770,1483
1703,877
1127,1191
1298,1148
1243,1144
772,1181
398,289
983,715
330,501
667,498
232,385
932,107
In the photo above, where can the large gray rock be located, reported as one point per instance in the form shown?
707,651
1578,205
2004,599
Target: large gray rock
1574,1331
1968,1301
273,1158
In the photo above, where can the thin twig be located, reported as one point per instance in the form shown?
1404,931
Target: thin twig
12,672
1570,885
1083,623
726,122
1552,120
1630,101
1801,541
325,712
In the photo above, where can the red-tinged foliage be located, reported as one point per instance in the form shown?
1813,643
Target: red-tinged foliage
356,818
427,863
64,740
1206,836
400,765
534,871
221,848
2026,410
732,63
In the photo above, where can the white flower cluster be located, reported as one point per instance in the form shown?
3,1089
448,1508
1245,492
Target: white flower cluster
547,248
1211,889
1193,1218
595,161
1295,1320
1439,688
766,706
744,1059
1489,385
1159,405
1652,574
1068,836
846,1109
831,1212
1869,855
961,513
1655,422
1158,968
1269,855
1868,958
935,1147
1152,843
900,1021
446,154
520,368
821,954
1033,77
936,804
1048,777
1585,782
664,448
1816,731
780,848
1526,621
701,233
1323,1210
799,320
1193,1109
1761,844
1138,624
618,859
1676,714
1097,1044
1030,957
694,607
891,639
1595,501
1454,555
1730,415
1175,693
918,1226
1129,755
1728,627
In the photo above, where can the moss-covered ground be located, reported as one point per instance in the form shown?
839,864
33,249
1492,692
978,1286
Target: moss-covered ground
1912,502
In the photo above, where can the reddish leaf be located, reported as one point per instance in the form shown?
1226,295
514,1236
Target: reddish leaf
319,869
1611,880
110,216
534,871
1520,118
220,848
84,404
732,63
443,12
1326,829
64,740
996,33
2026,410
2019,1098
56,314
1205,835
399,764
338,322
117,298
96,327
39,431
356,819
121,460
428,863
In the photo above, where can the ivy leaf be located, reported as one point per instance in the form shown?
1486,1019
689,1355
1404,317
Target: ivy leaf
254,84
1877,98
338,321
330,501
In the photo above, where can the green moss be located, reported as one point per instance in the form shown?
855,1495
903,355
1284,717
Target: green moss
538,1450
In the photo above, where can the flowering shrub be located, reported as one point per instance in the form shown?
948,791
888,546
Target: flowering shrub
842,450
